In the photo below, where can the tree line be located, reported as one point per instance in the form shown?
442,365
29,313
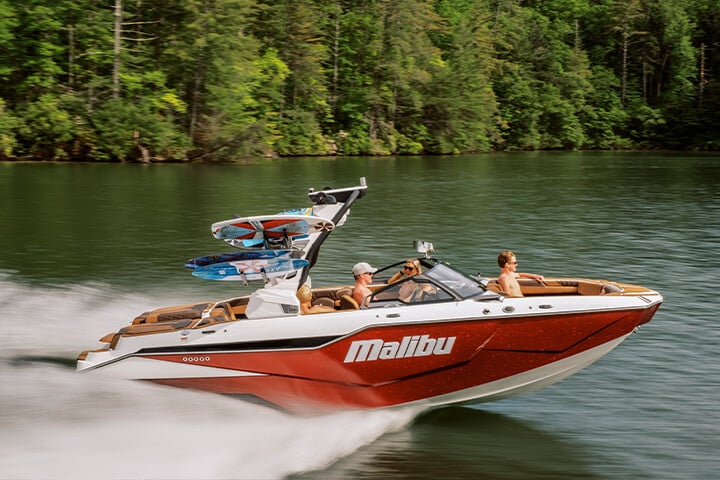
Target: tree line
218,80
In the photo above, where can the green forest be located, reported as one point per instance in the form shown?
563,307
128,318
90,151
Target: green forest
222,80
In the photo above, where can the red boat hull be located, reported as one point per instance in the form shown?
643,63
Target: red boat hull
402,368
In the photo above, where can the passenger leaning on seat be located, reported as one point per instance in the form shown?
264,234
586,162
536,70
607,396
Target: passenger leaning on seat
304,295
412,291
411,267
508,275
363,274
408,289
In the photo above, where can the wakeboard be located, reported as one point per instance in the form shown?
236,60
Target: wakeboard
269,227
236,256
250,270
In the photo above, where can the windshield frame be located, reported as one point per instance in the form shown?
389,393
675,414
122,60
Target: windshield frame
451,284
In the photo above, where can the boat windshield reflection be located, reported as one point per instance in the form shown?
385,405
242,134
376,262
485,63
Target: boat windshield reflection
463,286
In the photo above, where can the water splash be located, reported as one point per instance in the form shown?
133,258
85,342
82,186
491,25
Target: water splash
57,423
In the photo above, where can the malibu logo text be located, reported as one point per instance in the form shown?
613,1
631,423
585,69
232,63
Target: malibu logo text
408,347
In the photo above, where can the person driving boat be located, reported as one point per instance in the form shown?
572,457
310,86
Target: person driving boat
363,273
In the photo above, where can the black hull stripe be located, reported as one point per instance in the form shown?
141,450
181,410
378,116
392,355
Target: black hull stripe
281,344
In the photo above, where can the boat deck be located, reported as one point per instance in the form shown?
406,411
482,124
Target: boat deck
204,314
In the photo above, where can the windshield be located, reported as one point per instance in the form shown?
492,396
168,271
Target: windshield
463,286
439,283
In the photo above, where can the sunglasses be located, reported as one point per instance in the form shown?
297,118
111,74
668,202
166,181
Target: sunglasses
408,267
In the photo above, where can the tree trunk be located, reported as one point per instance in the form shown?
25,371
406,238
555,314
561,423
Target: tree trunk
116,50
701,83
71,55
197,85
644,79
336,58
623,82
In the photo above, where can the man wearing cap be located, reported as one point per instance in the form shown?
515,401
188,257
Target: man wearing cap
363,273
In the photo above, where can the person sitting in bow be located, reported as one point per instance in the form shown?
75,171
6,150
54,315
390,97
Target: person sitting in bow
507,261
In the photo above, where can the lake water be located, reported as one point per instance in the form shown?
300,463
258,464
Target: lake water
86,247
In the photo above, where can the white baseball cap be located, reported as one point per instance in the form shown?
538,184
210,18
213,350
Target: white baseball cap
363,267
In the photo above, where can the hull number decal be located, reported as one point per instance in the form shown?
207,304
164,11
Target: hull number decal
196,359
408,347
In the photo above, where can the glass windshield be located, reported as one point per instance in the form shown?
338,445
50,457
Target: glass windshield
463,286
410,291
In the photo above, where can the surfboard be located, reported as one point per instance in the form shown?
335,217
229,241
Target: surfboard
270,227
236,256
250,270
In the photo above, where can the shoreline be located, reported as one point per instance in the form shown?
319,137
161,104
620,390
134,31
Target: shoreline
250,160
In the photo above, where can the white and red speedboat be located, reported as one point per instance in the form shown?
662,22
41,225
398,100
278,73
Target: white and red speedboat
462,341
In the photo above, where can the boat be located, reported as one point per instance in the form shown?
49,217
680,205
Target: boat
461,342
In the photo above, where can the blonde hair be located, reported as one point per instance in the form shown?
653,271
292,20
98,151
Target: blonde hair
304,294
416,264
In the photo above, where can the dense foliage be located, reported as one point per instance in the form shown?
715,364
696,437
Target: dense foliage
224,79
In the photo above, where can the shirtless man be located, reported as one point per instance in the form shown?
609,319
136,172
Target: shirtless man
363,274
508,275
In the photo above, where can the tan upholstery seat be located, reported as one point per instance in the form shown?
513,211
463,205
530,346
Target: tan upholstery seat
347,302
326,301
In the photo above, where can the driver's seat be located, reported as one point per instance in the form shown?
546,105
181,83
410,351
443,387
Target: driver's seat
347,302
